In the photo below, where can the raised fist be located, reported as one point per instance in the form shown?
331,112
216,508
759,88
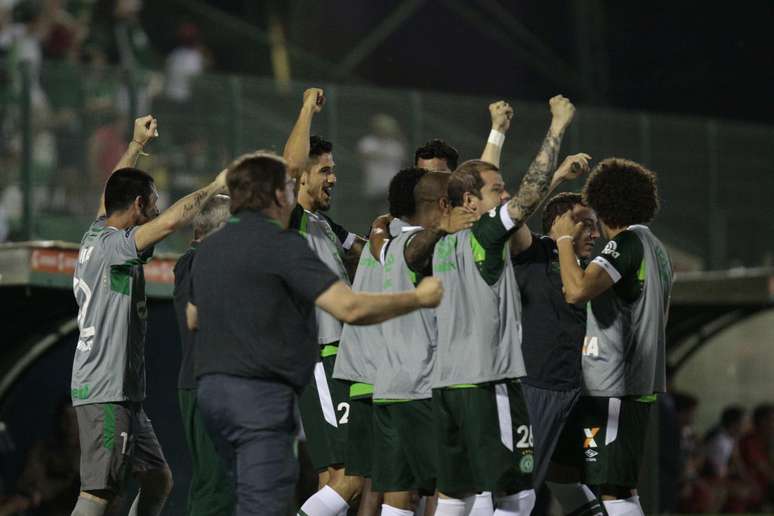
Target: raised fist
501,113
562,110
315,99
145,129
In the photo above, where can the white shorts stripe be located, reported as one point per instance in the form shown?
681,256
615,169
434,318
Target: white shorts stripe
613,414
504,415
326,402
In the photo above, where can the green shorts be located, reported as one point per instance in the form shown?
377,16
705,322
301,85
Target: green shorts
324,407
483,439
360,431
605,439
404,447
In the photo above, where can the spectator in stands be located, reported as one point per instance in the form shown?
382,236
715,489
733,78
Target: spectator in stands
670,459
756,451
51,474
118,31
723,439
185,63
105,148
382,153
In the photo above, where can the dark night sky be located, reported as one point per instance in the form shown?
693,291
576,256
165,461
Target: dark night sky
675,57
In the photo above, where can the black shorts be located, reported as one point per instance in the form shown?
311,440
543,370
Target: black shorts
549,411
360,436
483,438
404,447
324,407
608,440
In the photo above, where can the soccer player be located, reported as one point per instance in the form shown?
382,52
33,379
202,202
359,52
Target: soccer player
362,347
108,375
325,403
211,492
553,332
628,286
482,427
404,451
254,289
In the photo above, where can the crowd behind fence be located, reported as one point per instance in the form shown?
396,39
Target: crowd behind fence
65,124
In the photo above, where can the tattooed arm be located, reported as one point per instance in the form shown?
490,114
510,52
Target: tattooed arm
534,185
178,215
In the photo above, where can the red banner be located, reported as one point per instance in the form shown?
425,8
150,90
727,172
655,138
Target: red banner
62,261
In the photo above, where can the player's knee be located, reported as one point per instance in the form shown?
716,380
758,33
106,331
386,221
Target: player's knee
157,483
92,503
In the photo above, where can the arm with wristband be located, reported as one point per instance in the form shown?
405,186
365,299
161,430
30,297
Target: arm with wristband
501,113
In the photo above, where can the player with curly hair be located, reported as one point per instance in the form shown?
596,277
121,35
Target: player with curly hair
628,286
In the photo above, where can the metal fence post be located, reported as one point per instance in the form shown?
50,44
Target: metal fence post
331,100
26,157
416,118
716,230
235,90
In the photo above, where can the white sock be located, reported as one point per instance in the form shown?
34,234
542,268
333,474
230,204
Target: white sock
519,504
450,507
482,505
325,502
622,508
421,506
576,499
389,510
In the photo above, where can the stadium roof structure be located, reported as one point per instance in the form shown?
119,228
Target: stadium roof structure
36,282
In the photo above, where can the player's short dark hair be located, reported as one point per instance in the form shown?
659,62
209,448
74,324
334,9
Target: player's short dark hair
622,192
253,180
732,415
318,146
212,216
761,413
467,179
124,186
401,192
557,206
438,149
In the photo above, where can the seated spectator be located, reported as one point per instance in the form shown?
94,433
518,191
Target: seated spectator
51,474
721,440
756,452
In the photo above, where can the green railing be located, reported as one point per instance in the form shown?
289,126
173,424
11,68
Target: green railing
61,129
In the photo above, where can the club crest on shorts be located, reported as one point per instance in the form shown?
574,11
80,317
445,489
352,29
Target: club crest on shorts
527,463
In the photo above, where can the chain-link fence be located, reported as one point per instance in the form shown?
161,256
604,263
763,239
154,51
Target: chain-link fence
64,126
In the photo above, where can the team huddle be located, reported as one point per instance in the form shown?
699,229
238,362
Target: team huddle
449,363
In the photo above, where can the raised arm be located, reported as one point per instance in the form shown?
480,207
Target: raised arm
571,168
534,186
144,131
501,113
297,147
361,308
178,215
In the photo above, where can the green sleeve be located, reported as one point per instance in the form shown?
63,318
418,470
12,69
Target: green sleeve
489,239
623,259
